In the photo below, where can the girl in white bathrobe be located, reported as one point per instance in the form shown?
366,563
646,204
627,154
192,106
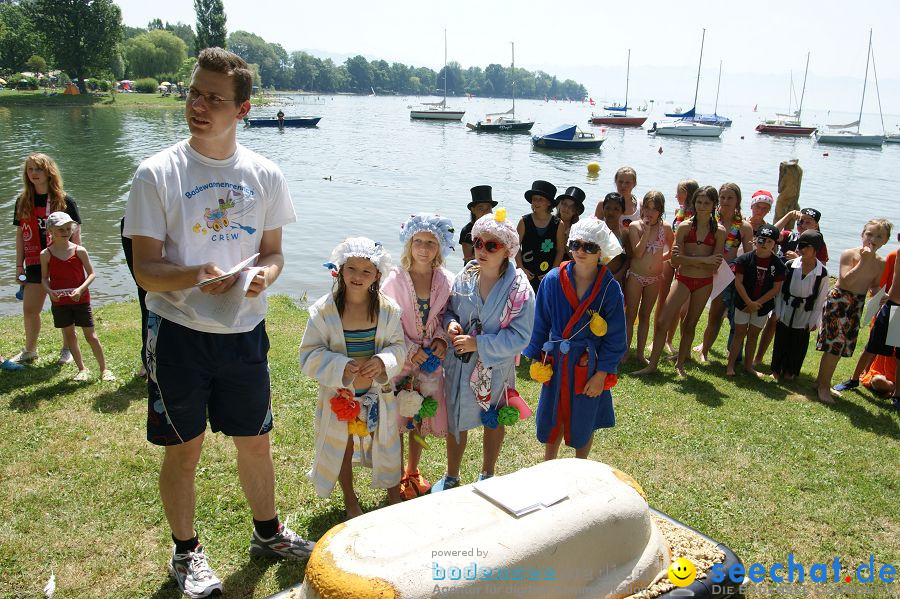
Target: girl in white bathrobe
353,345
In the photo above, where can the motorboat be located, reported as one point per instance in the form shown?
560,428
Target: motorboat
288,121
567,137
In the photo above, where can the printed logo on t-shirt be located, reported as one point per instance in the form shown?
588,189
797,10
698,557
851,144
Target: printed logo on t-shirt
222,221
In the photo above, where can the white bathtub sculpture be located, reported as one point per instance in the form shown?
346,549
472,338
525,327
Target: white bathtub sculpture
599,542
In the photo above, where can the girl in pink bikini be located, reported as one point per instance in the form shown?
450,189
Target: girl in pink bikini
649,239
696,255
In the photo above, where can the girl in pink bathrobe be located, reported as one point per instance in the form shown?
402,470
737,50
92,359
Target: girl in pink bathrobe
421,286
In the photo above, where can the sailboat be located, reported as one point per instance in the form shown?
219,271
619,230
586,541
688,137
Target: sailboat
438,111
789,124
504,121
844,135
618,115
709,119
685,126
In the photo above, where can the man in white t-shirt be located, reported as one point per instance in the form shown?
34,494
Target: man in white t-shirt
195,211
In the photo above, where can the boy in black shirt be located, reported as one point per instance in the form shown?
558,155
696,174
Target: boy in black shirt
758,276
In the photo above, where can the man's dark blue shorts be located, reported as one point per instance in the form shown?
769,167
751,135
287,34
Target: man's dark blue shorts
195,375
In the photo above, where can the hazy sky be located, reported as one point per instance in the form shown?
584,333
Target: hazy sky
565,37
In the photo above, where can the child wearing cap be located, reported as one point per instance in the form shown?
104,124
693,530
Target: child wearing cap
760,205
758,276
488,320
421,287
860,272
481,204
66,273
353,346
798,308
807,219
577,342
541,234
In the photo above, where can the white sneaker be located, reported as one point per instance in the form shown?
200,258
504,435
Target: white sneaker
193,575
65,356
24,357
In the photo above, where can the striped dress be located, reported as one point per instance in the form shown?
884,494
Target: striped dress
323,356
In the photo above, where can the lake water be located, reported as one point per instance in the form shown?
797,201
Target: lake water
368,166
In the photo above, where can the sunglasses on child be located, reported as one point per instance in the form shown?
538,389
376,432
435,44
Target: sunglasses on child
589,248
489,246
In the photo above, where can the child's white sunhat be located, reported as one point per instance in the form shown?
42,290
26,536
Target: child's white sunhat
361,247
594,230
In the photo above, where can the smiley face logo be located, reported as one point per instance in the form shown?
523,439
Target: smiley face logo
682,572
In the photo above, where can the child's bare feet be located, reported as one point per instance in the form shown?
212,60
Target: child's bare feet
669,348
679,369
752,372
825,395
701,353
643,360
353,507
394,495
729,371
648,369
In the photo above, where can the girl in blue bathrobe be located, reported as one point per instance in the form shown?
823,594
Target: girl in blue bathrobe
577,341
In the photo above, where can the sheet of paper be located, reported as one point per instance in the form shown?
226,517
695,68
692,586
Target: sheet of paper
224,307
721,280
518,495
873,305
893,334
237,268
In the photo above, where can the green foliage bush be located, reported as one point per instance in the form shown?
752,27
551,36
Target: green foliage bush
147,85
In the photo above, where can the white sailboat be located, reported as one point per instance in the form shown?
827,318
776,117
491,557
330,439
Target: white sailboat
438,111
689,128
844,135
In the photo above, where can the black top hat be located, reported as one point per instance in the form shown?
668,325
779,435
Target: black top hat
544,189
812,212
481,193
575,194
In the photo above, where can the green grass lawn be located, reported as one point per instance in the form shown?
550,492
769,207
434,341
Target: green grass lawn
10,97
755,465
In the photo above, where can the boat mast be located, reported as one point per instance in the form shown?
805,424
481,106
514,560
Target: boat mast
627,77
513,73
716,107
697,88
445,68
791,95
803,92
865,80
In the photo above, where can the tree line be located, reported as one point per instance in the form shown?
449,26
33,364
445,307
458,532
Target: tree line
86,38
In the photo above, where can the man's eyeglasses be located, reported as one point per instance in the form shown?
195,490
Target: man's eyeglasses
489,246
211,100
587,247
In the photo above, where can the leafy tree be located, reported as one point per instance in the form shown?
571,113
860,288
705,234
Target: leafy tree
186,34
360,72
185,70
497,76
130,32
154,54
117,65
19,39
210,24
82,35
255,50
283,72
455,83
155,24
306,70
36,64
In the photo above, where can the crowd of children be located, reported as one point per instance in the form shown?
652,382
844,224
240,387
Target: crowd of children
413,349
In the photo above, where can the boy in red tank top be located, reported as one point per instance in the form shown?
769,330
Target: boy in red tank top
66,272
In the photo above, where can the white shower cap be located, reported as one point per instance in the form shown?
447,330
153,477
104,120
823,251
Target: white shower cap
361,247
594,230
